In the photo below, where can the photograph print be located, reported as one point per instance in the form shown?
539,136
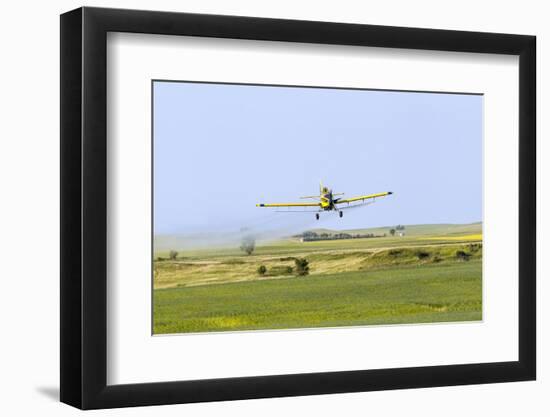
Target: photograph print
296,207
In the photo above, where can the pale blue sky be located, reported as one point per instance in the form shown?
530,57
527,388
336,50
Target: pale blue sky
220,149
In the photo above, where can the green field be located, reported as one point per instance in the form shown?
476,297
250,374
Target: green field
433,274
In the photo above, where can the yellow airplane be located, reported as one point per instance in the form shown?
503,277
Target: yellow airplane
327,202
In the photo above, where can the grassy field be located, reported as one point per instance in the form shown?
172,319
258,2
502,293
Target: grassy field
433,274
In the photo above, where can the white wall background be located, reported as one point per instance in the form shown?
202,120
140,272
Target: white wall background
29,177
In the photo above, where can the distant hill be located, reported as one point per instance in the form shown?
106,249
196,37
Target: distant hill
209,240
196,240
413,229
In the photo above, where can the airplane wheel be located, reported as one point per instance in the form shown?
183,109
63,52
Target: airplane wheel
341,214
317,216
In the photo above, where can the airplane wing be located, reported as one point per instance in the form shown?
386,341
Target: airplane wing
289,205
361,197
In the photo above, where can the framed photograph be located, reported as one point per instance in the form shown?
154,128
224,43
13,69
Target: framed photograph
258,208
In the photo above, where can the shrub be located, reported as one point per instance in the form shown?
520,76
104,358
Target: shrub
463,256
422,254
474,247
302,266
262,270
248,244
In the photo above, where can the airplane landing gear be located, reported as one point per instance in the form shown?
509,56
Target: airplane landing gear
341,213
317,216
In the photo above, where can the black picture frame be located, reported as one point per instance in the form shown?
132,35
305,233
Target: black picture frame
84,207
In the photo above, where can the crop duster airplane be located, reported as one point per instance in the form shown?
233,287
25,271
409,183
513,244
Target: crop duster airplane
327,202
